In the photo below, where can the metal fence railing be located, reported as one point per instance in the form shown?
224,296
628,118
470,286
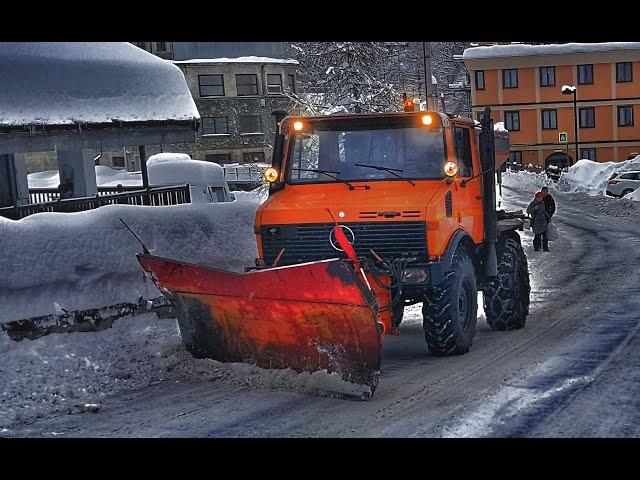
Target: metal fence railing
159,196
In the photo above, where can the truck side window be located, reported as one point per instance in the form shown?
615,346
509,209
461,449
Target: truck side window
463,151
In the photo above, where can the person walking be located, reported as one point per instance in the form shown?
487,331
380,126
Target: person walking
536,210
549,203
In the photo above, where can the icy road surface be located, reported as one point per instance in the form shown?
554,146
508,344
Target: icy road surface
574,370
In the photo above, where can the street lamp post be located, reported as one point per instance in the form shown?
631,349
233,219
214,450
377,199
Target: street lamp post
568,90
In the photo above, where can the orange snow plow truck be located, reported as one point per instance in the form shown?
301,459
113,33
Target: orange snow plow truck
366,214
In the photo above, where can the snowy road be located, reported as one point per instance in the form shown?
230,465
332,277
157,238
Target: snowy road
574,370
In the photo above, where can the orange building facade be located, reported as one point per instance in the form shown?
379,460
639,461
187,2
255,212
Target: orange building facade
523,87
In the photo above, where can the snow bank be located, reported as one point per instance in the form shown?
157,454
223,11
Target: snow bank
527,182
66,83
520,50
87,259
589,177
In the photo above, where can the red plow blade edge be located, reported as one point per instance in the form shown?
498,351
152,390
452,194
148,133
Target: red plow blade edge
307,317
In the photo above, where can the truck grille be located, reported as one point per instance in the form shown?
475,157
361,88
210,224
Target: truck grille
310,242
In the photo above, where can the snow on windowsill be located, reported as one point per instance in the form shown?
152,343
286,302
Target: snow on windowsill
251,133
216,134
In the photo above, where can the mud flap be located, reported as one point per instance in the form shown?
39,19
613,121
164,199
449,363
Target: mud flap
307,317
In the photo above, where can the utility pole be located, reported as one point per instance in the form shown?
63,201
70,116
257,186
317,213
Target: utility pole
432,100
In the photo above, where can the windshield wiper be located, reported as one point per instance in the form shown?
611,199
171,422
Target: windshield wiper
328,173
392,171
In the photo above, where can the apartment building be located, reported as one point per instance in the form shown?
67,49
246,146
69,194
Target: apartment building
523,86
236,98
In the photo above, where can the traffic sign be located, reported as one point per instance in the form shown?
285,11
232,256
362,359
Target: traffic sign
562,137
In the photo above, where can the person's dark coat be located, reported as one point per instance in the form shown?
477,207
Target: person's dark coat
538,217
549,205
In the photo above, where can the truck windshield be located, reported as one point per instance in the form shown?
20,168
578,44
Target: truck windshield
413,152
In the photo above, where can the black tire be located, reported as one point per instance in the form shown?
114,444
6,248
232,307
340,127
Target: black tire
626,192
450,309
506,298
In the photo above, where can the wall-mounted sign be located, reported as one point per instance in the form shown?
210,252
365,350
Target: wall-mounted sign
562,137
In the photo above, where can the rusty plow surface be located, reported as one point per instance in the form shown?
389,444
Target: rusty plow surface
307,317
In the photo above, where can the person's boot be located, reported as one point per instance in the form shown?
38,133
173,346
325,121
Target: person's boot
545,246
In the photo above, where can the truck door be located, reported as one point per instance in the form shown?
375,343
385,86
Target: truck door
470,199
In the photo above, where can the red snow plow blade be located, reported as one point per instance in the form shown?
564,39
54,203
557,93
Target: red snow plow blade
307,317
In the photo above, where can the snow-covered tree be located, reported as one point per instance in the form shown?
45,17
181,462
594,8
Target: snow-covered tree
344,77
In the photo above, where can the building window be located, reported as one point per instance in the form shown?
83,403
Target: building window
479,79
214,125
585,74
161,46
274,83
515,159
250,124
291,82
549,120
547,76
587,117
510,78
588,154
211,85
117,162
625,116
512,121
246,84
253,157
624,72
219,158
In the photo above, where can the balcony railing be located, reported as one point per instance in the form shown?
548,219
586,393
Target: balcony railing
130,195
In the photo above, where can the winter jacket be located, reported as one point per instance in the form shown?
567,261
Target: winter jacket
549,205
538,217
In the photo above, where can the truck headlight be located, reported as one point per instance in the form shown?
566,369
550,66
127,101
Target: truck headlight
414,275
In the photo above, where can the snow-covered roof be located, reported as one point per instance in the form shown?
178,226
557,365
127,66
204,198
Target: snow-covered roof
250,59
520,50
66,83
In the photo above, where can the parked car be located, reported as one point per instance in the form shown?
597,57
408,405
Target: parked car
206,180
623,183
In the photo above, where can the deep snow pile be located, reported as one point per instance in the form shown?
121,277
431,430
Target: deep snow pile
54,261
66,83
528,182
589,177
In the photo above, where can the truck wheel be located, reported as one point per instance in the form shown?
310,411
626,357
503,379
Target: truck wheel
450,309
506,298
